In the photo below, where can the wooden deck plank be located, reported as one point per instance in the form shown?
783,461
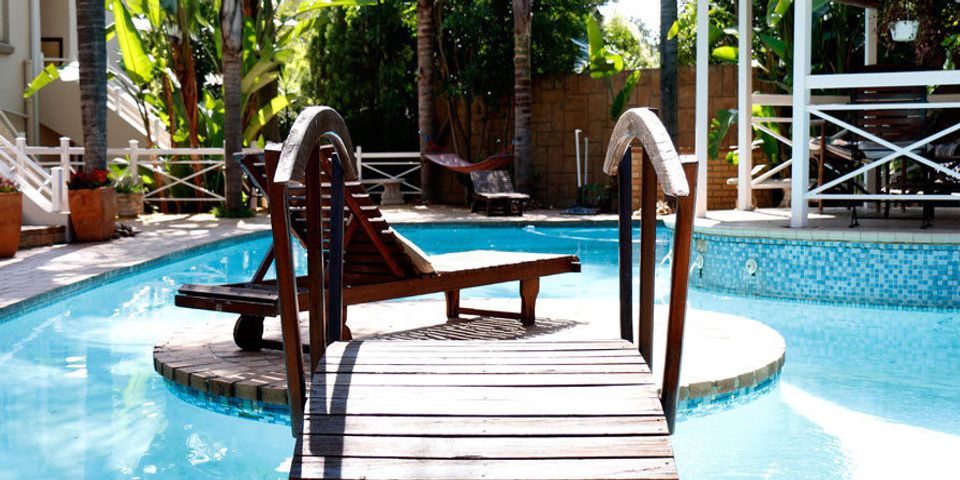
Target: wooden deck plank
452,426
473,409
467,350
333,362
467,380
485,369
490,448
539,469
496,406
524,393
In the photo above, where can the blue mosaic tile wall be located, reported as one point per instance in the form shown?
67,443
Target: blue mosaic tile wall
234,407
882,274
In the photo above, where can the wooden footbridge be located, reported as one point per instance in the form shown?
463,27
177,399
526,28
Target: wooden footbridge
480,409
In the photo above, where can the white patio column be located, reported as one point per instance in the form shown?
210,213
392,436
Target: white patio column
745,107
703,102
870,37
71,52
36,66
800,173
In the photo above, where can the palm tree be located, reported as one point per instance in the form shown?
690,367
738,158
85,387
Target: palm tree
523,147
231,30
668,67
184,66
92,54
425,106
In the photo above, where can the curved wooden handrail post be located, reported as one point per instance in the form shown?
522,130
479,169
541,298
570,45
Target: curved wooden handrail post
299,160
625,230
289,309
679,279
648,258
661,165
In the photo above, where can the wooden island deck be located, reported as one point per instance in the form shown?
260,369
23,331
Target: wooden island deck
493,410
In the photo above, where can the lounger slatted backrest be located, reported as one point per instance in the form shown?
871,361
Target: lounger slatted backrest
899,125
373,251
494,181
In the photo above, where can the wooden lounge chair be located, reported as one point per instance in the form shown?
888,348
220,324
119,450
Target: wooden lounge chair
379,264
494,191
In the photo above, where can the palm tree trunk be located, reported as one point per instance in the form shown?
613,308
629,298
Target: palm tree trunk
231,29
92,54
425,104
523,147
668,68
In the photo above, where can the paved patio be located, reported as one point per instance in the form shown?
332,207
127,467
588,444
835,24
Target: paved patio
36,271
833,225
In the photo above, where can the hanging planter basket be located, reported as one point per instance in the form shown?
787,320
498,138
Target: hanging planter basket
904,30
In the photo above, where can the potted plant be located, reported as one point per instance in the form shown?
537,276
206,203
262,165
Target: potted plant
11,216
903,22
130,189
93,206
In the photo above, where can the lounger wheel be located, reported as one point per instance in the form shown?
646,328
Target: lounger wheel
248,333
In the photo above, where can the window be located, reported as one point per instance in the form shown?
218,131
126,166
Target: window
5,47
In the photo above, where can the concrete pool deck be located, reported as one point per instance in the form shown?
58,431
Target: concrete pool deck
833,225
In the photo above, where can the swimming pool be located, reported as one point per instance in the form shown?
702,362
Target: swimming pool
79,397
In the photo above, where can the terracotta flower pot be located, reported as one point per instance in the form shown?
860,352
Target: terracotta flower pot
11,216
92,213
129,205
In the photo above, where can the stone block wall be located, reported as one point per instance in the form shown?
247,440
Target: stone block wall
562,104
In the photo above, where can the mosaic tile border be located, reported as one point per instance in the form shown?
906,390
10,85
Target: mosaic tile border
891,275
231,406
701,407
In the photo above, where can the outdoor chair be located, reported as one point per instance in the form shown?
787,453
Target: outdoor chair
379,264
494,193
901,127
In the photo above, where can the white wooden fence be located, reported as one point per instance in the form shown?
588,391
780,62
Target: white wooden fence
36,170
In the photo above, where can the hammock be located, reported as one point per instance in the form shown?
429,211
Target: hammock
453,161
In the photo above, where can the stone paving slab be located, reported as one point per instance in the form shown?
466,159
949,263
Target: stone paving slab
722,353
41,270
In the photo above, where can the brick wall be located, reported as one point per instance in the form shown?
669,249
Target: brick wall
564,103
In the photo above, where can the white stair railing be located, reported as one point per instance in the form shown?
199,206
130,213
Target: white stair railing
32,177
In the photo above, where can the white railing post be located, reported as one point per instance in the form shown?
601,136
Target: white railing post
21,159
133,168
65,155
58,192
359,155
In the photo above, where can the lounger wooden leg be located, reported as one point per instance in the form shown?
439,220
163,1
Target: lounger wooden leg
453,304
529,289
248,333
345,333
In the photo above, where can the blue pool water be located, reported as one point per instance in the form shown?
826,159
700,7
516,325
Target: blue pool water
864,392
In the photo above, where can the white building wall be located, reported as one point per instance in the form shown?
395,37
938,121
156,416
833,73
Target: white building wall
12,74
